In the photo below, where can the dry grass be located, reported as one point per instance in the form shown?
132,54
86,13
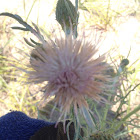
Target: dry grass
15,96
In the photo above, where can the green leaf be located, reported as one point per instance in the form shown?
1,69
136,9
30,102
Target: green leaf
30,44
20,28
36,43
19,19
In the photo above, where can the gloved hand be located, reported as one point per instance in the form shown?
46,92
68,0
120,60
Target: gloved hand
18,126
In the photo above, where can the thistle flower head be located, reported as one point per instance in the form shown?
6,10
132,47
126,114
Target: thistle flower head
71,71
67,64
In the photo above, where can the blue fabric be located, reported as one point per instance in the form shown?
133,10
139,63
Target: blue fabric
18,126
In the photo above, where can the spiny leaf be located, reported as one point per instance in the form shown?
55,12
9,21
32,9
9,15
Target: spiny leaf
36,27
19,19
20,28
30,44
36,43
27,26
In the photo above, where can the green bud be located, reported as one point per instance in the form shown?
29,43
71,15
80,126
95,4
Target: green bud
66,15
124,62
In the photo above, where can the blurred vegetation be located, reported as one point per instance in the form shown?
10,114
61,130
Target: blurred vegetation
14,95
121,118
105,13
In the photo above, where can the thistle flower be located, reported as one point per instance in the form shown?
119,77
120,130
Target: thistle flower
71,71
70,68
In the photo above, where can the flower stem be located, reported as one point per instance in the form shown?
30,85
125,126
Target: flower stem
88,118
131,113
76,7
127,117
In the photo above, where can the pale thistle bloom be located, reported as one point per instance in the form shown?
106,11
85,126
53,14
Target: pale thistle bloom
71,71
69,65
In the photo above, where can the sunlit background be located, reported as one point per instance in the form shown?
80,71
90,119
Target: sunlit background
120,26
